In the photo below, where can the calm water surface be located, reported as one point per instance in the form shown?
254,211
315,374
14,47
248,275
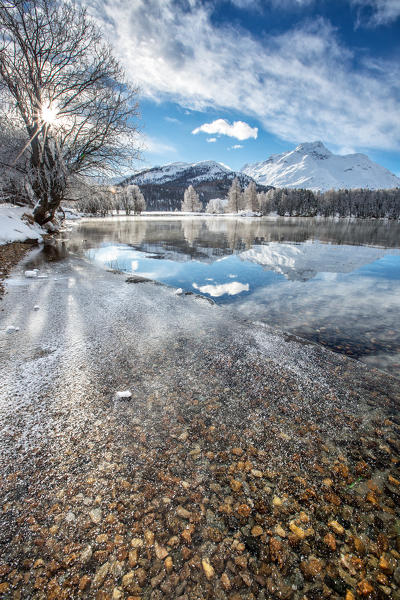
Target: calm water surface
336,283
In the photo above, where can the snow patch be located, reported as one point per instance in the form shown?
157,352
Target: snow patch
13,228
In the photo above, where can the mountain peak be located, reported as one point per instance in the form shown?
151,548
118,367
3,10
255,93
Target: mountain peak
315,148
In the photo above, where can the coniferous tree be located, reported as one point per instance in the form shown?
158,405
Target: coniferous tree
191,202
235,197
250,197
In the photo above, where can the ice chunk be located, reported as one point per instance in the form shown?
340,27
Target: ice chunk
42,276
36,307
179,291
11,329
31,274
124,394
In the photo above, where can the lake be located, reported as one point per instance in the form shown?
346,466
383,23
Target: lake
333,282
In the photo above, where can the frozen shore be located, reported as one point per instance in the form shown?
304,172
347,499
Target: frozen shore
245,464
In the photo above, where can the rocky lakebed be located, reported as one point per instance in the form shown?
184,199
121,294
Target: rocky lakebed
246,464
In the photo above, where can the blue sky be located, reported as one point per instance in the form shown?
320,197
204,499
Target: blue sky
238,80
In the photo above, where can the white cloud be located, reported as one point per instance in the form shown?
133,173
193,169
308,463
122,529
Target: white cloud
301,85
211,140
172,120
236,147
384,12
239,129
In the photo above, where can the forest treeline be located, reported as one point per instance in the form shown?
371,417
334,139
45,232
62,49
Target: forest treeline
361,203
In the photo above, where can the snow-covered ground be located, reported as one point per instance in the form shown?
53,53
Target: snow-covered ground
13,228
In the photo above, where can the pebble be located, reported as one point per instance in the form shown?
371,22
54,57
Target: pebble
336,527
207,568
182,512
96,515
100,575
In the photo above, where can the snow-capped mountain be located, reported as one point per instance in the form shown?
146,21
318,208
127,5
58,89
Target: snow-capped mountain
196,172
163,187
312,166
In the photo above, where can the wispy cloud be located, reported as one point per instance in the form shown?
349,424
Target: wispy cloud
383,11
211,140
155,146
172,120
235,147
238,129
301,85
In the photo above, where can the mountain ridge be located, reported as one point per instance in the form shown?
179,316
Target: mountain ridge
163,186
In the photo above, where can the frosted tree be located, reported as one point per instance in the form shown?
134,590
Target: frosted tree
71,109
216,206
250,197
191,202
139,203
235,197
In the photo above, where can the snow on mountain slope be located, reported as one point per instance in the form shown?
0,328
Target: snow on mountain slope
197,172
304,261
314,167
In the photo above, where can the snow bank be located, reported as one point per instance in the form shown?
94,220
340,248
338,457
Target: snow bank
14,229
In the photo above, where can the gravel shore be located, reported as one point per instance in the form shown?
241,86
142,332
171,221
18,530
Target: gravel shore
246,464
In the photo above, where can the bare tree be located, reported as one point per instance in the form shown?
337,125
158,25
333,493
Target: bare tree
216,206
66,96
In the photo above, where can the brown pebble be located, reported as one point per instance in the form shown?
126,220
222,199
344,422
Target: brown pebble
311,568
330,541
225,582
364,588
257,531
133,558
168,564
237,451
244,510
207,568
336,527
236,485
84,582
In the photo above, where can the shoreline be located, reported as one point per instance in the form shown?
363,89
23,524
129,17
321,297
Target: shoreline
244,465
11,255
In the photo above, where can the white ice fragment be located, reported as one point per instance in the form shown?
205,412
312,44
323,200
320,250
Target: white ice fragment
42,276
124,394
31,274
11,328
179,291
36,307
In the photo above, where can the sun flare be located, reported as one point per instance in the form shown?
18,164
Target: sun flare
49,113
